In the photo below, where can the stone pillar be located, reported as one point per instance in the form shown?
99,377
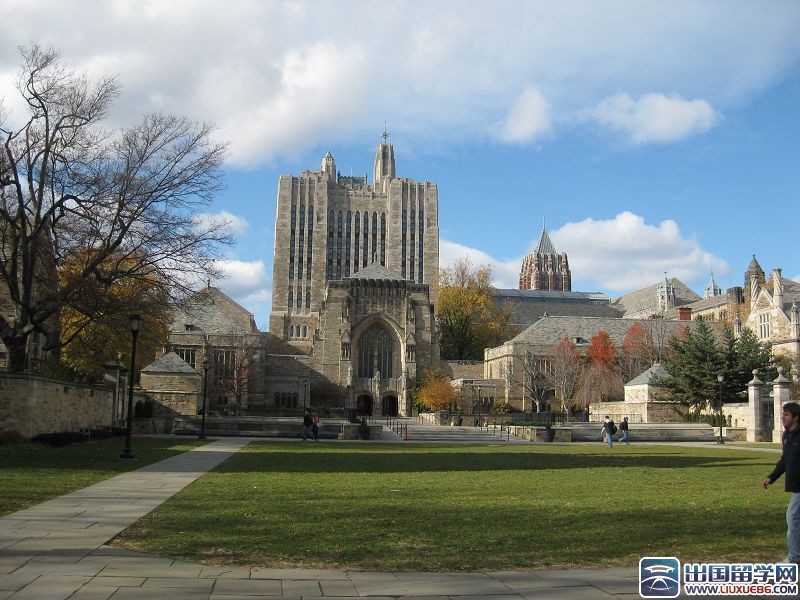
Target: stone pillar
782,394
754,431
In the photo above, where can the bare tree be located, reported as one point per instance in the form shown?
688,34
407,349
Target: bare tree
125,202
536,378
566,373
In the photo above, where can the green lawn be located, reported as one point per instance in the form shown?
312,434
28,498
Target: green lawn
436,508
32,473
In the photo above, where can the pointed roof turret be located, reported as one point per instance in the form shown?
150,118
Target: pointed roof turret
328,165
545,244
712,289
754,273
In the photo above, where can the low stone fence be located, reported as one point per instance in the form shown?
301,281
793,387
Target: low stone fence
32,404
253,426
648,432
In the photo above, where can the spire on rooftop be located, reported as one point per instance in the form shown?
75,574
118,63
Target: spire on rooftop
545,244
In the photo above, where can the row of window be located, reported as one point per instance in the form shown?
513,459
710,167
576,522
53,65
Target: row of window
350,237
408,234
290,302
298,331
301,239
223,364
285,399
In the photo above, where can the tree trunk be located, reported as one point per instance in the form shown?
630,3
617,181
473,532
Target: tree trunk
17,354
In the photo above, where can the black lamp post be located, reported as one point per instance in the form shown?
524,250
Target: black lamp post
135,322
202,435
720,378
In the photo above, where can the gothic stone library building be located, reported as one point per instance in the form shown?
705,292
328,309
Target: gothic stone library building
355,280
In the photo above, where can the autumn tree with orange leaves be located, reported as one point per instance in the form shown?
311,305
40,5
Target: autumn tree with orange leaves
94,323
435,392
601,379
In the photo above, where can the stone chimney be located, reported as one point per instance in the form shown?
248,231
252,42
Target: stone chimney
777,288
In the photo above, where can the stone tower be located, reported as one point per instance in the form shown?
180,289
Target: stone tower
329,227
544,268
753,279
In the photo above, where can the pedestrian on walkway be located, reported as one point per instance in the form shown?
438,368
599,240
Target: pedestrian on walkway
308,423
609,429
790,464
315,427
623,426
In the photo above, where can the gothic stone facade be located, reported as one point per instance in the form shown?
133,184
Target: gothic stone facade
356,270
329,227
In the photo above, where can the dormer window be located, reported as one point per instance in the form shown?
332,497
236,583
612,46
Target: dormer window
188,327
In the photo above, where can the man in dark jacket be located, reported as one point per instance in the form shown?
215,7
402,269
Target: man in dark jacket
790,464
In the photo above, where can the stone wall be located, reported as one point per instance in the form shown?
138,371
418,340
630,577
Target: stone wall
31,404
639,412
462,369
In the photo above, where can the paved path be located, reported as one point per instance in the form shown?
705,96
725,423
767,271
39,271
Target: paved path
57,550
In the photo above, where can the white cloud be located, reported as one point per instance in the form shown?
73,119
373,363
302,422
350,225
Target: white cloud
281,77
625,253
528,119
655,118
505,274
616,255
237,225
243,279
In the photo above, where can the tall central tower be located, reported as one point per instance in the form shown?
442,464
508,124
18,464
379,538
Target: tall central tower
329,227
544,268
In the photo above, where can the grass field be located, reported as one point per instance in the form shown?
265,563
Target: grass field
437,508
32,473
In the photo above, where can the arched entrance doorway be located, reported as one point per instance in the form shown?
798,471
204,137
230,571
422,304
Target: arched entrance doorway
389,406
364,405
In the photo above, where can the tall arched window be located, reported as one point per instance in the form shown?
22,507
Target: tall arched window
347,244
301,241
365,250
403,244
329,258
299,299
339,219
291,241
374,249
310,239
411,246
308,300
383,239
375,352
421,233
291,298
356,241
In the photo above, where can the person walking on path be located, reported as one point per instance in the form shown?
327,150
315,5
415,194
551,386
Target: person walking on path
790,464
308,424
315,427
623,426
609,429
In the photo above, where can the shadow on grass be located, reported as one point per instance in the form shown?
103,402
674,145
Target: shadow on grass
417,460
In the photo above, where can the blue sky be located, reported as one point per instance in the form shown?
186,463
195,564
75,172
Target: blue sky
652,137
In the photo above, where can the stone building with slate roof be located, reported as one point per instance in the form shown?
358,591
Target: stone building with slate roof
538,340
528,306
774,312
659,299
373,337
175,385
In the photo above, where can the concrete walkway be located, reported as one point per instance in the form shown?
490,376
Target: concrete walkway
57,550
